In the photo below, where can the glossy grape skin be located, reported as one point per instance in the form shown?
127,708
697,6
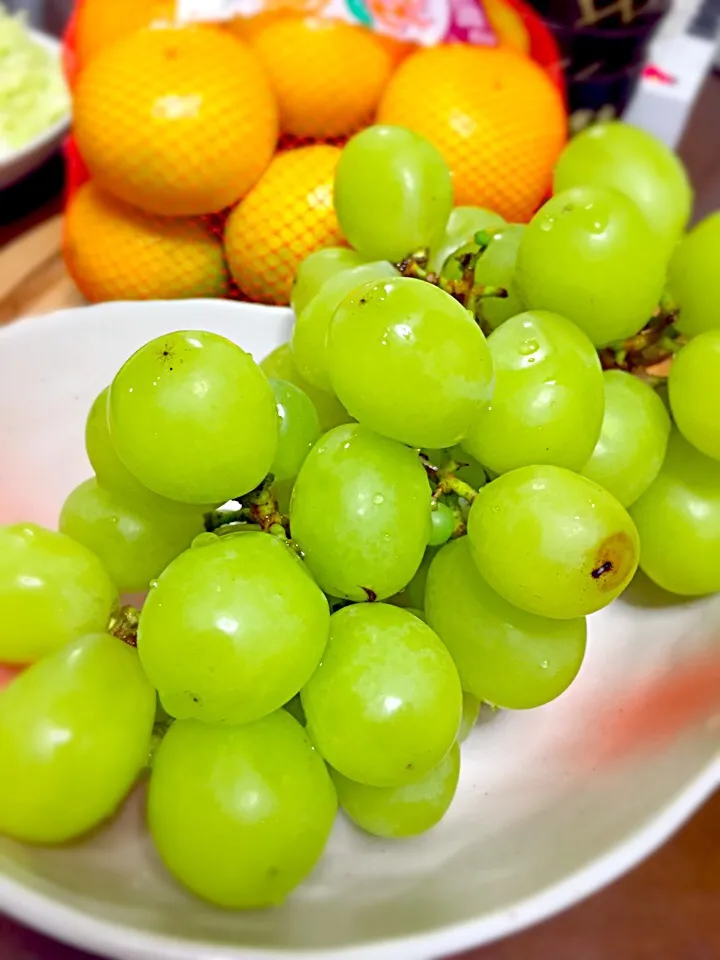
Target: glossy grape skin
360,512
694,391
470,714
316,269
442,524
385,704
633,439
589,255
233,630
310,333
496,268
504,655
279,365
552,542
52,590
134,542
74,734
299,429
426,358
193,417
637,164
547,405
678,519
463,223
404,811
240,815
694,278
393,193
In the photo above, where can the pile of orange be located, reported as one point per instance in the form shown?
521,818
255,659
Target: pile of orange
177,124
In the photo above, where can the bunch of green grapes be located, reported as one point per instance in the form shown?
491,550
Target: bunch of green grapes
406,512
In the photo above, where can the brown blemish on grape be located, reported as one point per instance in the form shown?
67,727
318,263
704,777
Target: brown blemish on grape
371,595
613,561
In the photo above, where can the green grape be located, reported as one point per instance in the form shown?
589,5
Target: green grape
630,160
74,734
496,268
547,406
426,358
552,542
52,590
633,439
589,255
694,391
442,524
403,811
299,429
310,332
462,225
393,193
470,714
232,631
295,708
694,278
315,269
240,815
360,513
134,542
193,418
279,365
678,519
413,596
384,706
504,655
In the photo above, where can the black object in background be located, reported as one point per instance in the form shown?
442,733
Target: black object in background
48,15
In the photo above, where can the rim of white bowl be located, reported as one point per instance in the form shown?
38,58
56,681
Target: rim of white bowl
109,939
54,132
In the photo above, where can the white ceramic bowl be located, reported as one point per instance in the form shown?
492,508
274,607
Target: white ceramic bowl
17,164
552,803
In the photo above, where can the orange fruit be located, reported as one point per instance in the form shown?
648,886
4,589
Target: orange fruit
101,23
288,214
508,25
494,114
178,122
328,76
115,252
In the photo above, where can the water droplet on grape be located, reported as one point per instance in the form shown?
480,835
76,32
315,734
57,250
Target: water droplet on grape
544,664
153,584
528,346
378,499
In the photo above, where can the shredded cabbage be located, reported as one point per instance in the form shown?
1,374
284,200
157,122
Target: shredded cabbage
33,92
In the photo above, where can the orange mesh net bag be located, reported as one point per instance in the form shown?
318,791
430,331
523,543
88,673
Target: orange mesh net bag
205,141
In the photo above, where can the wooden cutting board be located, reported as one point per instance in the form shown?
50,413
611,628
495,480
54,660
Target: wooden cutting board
33,279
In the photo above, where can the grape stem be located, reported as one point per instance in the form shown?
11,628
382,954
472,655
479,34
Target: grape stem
259,507
648,355
450,486
123,624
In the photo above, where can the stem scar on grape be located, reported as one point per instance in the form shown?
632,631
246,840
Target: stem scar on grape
123,624
613,561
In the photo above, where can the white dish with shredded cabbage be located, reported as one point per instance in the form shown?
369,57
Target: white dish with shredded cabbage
34,98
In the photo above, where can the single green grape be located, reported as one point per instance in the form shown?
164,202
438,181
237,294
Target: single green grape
463,223
52,590
299,429
504,655
134,542
470,714
404,811
279,365
75,733
589,255
316,269
426,358
678,519
547,405
384,706
633,439
694,278
636,163
310,333
193,417
393,193
232,631
240,815
552,542
694,391
496,268
360,513
442,524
